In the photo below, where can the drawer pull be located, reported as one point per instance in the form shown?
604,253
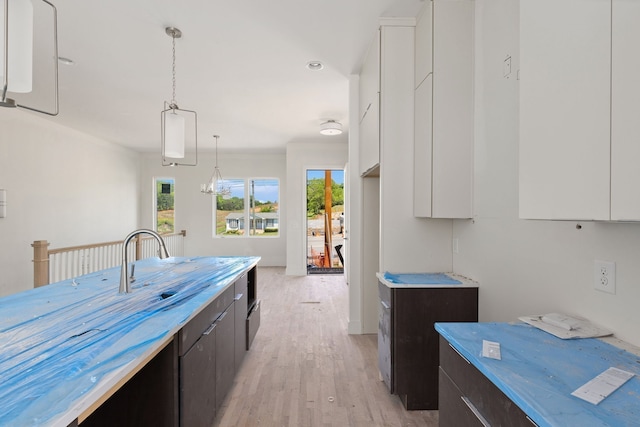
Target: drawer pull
385,305
531,421
475,411
459,354
211,328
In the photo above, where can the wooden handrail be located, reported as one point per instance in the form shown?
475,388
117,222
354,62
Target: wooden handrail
41,254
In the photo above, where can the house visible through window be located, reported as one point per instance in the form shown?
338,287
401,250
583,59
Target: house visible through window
165,192
258,218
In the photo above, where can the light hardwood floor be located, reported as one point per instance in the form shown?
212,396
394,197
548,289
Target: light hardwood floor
304,370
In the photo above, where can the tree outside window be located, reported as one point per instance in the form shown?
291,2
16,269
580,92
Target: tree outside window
165,207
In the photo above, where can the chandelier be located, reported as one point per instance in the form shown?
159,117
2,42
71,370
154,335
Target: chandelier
216,184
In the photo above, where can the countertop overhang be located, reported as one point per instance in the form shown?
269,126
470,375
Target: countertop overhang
65,345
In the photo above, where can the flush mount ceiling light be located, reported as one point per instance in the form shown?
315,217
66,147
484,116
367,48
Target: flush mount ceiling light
331,127
216,183
315,65
179,127
20,69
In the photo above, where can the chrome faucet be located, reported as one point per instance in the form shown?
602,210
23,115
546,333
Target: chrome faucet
125,283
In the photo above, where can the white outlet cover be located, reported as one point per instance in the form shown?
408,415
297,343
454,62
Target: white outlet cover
604,276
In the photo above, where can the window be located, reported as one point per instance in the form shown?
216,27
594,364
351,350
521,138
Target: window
164,201
258,218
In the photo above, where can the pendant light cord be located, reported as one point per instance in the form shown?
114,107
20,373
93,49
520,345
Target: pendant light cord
173,71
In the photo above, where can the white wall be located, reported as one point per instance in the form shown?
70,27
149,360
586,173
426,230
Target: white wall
62,186
329,153
194,210
532,267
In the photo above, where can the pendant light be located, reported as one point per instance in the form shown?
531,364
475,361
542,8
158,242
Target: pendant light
179,127
18,66
216,183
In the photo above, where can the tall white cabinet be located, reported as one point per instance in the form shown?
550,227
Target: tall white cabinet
369,112
443,113
578,131
625,114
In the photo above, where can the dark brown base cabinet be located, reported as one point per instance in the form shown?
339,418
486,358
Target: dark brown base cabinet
408,343
468,398
186,383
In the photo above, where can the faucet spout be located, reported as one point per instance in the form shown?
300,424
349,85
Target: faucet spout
125,283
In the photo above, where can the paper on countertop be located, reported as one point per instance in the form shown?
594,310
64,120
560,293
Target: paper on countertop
565,326
491,349
599,388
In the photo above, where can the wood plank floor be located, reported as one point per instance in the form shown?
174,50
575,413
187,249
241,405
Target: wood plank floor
304,370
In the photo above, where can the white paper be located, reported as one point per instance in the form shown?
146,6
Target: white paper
596,390
565,326
491,349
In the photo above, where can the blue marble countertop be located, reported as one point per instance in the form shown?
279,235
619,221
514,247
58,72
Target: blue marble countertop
538,372
62,346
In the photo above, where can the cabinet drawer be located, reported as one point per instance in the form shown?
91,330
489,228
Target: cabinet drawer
253,323
480,393
191,332
453,411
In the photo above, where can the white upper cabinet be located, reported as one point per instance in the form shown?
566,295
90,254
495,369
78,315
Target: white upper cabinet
565,63
443,122
625,120
370,108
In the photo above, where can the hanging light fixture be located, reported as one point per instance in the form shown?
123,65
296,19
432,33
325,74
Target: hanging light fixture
331,127
216,183
179,127
18,66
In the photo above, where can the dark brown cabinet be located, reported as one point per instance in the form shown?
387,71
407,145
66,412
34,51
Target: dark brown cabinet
468,398
241,309
408,356
186,382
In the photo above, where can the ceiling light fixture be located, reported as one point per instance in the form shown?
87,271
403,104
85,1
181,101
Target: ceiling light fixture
216,183
179,127
315,65
18,36
331,127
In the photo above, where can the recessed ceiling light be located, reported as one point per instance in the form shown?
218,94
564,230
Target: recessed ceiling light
315,65
66,61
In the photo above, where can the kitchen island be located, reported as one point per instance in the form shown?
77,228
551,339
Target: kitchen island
71,348
533,381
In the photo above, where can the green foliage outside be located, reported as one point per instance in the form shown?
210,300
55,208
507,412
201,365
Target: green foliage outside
315,195
165,208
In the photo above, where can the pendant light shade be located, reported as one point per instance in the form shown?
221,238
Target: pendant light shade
179,127
29,55
174,137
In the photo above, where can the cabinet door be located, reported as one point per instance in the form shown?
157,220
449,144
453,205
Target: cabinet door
384,336
225,354
423,46
565,48
370,108
198,382
625,96
422,149
240,309
452,186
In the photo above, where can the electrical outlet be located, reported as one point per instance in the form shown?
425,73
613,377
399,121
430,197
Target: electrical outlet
604,276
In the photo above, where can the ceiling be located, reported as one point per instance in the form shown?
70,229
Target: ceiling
240,64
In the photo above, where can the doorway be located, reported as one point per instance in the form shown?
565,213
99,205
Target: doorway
325,221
